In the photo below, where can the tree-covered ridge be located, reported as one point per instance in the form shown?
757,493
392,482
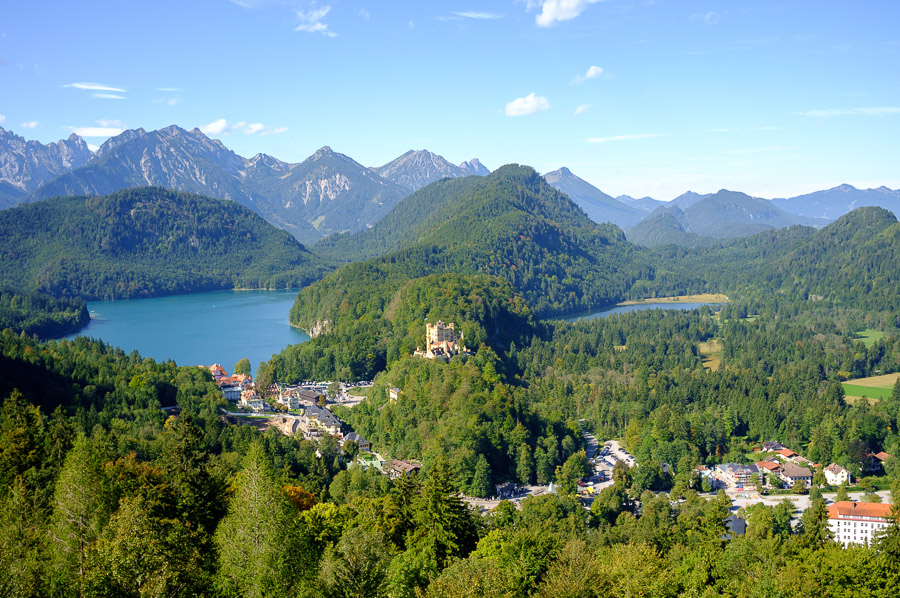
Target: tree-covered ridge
41,314
382,320
509,224
146,242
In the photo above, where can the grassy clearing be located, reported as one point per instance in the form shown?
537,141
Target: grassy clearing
711,354
701,298
871,392
869,336
874,388
359,391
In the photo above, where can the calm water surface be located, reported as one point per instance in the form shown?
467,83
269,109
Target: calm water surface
624,309
204,328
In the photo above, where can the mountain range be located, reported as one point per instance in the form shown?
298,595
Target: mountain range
26,165
330,193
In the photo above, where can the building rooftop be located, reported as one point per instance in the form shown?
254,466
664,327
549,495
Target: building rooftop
849,508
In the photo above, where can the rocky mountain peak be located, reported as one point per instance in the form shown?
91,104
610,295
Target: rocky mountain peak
474,166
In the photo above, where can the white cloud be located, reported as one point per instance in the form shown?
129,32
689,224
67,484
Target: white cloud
96,87
311,21
95,131
216,127
107,96
624,137
553,11
874,111
93,147
411,25
221,126
31,124
479,15
709,18
364,14
528,105
592,73
2,119
170,89
582,109
168,101
762,150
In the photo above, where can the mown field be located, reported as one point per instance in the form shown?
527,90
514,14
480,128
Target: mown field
874,387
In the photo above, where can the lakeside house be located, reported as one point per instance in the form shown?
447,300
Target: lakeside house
857,522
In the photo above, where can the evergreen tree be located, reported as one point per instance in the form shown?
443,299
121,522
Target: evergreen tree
524,470
253,539
481,480
814,525
78,516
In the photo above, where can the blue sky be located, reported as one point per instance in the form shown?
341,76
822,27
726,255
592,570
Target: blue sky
642,98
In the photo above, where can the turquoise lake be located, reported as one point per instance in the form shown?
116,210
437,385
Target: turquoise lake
624,309
203,328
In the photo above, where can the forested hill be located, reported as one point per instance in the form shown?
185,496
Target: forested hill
854,261
510,224
146,242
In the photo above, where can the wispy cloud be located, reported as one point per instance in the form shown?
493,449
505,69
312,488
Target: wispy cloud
31,124
592,73
221,126
95,131
104,122
530,104
555,11
485,16
720,130
363,14
168,101
169,89
709,18
624,137
108,96
874,111
582,108
311,21
2,119
96,87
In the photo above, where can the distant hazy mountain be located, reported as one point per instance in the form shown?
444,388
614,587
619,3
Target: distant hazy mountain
687,199
834,203
599,206
723,215
647,204
474,166
335,194
25,165
417,168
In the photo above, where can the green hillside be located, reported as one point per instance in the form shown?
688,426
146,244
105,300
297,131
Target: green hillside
509,224
146,242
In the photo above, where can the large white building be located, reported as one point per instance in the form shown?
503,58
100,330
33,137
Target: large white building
835,475
857,522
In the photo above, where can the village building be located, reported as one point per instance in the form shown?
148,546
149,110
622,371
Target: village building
772,446
791,472
361,442
394,393
251,400
441,341
857,522
319,420
735,475
835,475
396,468
216,370
232,393
786,454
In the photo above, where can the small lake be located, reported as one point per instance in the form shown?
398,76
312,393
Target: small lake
625,309
202,328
